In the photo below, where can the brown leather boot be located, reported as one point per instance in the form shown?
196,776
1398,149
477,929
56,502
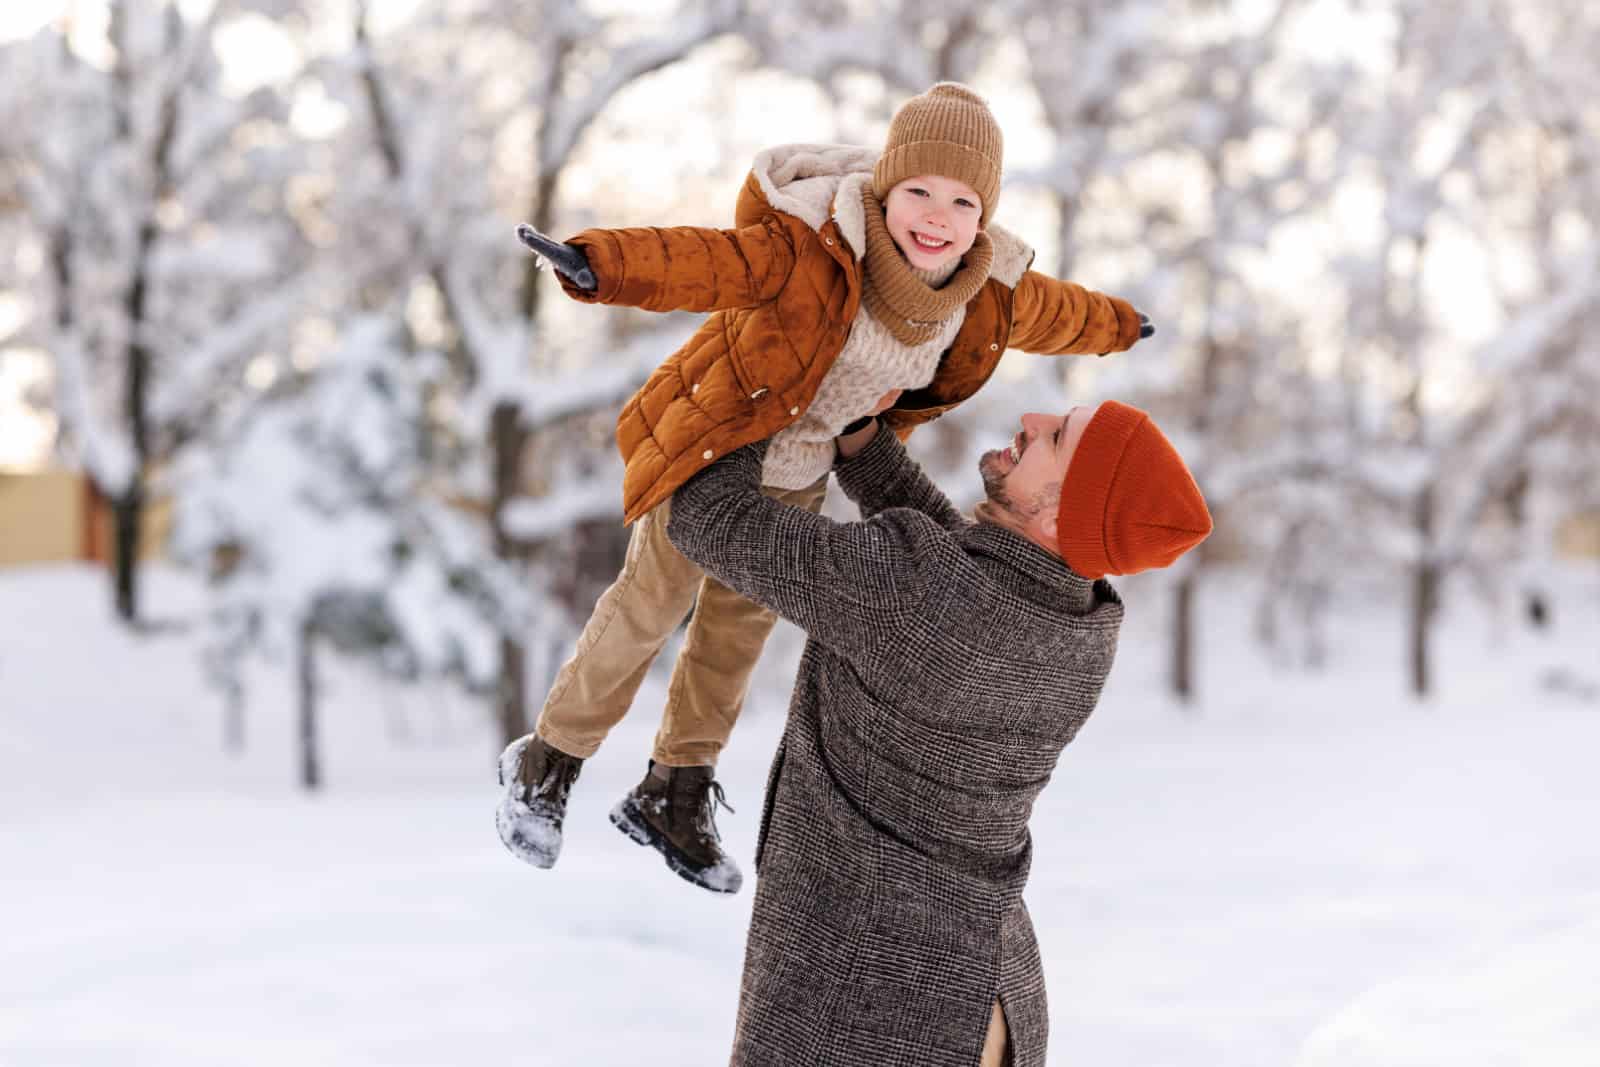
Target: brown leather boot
673,811
538,777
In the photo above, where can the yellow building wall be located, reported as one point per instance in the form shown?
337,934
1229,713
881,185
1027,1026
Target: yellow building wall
45,517
41,517
1579,536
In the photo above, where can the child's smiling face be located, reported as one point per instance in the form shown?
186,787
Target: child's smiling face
932,220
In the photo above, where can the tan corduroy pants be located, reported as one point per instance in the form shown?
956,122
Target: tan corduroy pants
632,621
996,1047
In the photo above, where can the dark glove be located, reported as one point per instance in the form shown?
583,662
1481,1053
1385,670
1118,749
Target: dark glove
1145,328
568,260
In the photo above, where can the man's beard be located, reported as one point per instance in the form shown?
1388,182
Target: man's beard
994,485
999,499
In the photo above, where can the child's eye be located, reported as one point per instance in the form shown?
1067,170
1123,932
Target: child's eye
917,192
964,202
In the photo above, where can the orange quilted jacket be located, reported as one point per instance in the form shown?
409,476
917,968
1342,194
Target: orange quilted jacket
782,287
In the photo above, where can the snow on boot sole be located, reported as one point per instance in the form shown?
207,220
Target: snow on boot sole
527,835
626,817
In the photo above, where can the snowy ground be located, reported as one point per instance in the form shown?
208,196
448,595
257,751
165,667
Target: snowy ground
1312,871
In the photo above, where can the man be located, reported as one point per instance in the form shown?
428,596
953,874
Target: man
948,664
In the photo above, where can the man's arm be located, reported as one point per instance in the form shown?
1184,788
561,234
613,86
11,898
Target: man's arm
876,472
847,585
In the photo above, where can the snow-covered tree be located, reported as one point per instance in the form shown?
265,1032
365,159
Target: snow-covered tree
164,260
470,118
1442,430
318,524
1183,160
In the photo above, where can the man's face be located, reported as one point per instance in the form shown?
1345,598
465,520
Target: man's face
1022,482
932,220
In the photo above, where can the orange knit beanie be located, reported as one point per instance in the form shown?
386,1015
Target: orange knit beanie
1128,503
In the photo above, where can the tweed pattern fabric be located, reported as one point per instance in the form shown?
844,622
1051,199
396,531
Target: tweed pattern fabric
948,664
782,288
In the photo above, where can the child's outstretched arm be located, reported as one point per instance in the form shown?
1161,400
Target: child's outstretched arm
681,268
1056,318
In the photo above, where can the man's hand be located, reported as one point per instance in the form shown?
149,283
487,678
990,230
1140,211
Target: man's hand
568,260
856,434
852,441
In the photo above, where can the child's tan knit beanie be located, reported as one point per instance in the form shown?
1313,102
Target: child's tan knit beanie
948,131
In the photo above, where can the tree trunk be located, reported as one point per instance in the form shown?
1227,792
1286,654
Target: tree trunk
540,214
310,763
1424,595
128,506
233,726
139,358
511,693
508,440
1183,638
128,513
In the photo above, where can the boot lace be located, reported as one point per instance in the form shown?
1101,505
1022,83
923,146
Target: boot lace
565,772
558,777
706,809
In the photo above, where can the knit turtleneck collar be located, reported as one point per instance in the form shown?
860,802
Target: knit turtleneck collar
935,277
911,305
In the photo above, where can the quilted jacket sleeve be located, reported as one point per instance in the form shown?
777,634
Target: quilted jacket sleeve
883,476
848,585
687,268
1057,318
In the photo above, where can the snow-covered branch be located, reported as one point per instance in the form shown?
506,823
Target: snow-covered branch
570,117
533,519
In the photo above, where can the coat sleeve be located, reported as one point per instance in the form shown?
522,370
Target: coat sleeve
848,585
687,268
1057,318
882,475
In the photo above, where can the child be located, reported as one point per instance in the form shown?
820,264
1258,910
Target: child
856,283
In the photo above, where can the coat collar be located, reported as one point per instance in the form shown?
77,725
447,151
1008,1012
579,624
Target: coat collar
819,182
1042,576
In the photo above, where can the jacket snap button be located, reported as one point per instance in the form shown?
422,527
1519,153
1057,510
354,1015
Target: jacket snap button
994,347
759,393
794,411
707,454
827,240
695,388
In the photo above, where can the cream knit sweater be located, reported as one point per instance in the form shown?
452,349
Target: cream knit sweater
871,363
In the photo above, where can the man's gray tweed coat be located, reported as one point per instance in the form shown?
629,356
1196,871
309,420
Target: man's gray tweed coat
948,664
